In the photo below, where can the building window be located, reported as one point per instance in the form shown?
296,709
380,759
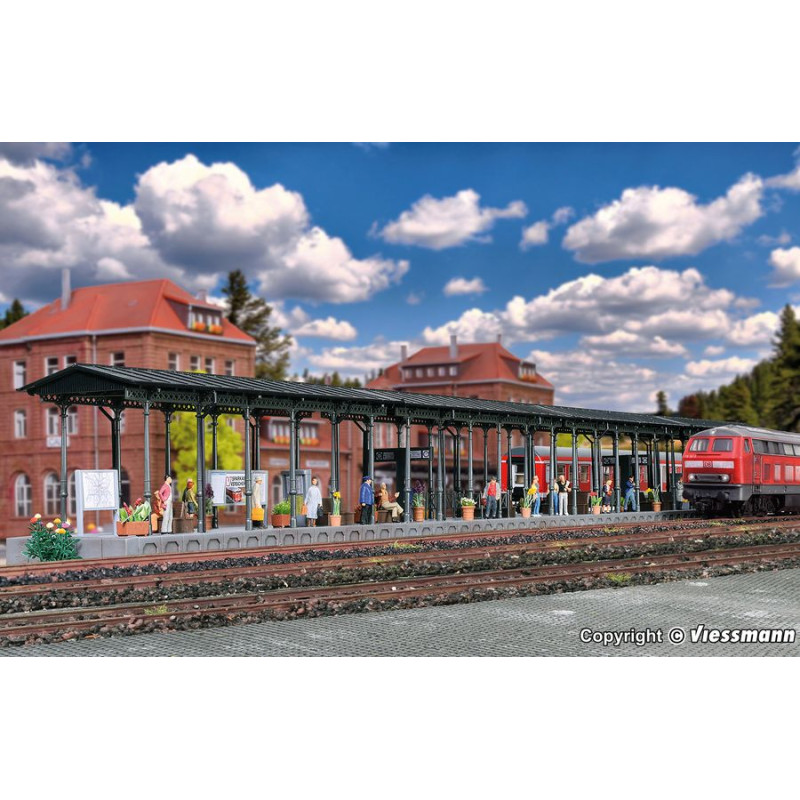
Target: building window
118,359
121,422
20,373
22,496
20,424
72,508
420,372
51,365
72,421
194,363
125,486
52,499
210,365
230,368
70,360
454,370
52,422
431,372
442,371
174,362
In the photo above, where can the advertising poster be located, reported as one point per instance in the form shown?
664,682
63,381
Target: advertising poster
229,489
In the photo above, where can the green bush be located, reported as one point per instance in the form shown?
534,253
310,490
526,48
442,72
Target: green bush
50,541
284,507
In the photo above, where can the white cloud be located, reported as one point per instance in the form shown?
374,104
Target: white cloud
190,222
713,350
724,370
786,266
353,362
447,222
790,181
28,152
415,298
769,241
755,331
563,215
624,343
535,235
473,325
299,323
650,222
457,286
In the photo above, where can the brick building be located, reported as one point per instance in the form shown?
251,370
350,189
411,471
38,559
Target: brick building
481,371
151,324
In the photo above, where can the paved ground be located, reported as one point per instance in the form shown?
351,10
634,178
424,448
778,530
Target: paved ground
534,626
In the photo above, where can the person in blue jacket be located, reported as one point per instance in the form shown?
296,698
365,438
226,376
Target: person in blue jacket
366,498
630,493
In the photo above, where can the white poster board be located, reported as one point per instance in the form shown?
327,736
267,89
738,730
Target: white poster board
95,490
229,487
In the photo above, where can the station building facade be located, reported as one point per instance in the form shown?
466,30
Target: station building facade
150,324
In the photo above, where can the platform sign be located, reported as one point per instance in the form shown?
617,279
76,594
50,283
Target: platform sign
399,454
229,488
608,461
95,490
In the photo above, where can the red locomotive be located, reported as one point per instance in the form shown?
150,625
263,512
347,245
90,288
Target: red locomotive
741,470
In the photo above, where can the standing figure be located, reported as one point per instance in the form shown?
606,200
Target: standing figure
608,497
563,494
190,498
313,501
165,496
366,498
257,512
537,501
386,504
630,494
491,493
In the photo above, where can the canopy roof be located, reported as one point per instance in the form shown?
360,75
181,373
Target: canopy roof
132,387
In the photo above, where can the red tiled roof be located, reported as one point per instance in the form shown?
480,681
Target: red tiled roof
114,306
477,362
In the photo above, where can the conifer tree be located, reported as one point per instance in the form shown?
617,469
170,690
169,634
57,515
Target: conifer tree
13,313
785,385
251,314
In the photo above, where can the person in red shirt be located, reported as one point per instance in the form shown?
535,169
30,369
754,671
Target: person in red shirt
492,495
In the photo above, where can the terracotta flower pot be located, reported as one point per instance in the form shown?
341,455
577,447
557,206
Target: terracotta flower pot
335,519
596,509
468,512
133,528
656,506
418,512
281,520
526,512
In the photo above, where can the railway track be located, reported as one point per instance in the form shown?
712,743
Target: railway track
401,591
91,606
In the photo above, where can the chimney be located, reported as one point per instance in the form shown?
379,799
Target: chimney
500,339
403,353
66,291
202,296
453,347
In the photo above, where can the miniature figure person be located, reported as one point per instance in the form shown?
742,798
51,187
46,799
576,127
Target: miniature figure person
563,493
165,496
386,504
491,493
258,511
537,501
313,501
257,491
607,498
366,498
190,498
630,493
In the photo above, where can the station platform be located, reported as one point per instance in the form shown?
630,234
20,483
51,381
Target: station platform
235,538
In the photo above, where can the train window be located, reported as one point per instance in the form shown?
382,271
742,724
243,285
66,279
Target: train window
775,448
759,446
747,445
777,473
723,445
699,445
797,449
583,474
787,449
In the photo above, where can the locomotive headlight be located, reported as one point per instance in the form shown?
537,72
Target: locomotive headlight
725,478
692,477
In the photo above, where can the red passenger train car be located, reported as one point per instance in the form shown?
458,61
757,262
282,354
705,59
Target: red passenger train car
739,470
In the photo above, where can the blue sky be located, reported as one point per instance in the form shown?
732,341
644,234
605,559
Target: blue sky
619,269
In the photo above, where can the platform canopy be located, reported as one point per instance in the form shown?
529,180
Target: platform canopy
132,387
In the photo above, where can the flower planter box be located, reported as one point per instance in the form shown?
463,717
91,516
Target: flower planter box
281,520
133,528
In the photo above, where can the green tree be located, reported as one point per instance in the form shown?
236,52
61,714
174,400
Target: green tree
251,314
785,388
183,440
662,409
13,313
739,402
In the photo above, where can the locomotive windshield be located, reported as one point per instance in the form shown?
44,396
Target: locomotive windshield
698,445
723,445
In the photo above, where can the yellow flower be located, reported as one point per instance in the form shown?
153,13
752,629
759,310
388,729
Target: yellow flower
337,495
57,521
60,530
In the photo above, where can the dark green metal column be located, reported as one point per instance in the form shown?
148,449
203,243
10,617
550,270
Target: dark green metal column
371,455
485,465
64,479
499,470
167,444
526,463
553,468
214,461
201,472
429,498
470,475
248,474
440,473
656,466
617,472
574,471
293,467
509,473
116,450
147,488
333,482
635,462
407,506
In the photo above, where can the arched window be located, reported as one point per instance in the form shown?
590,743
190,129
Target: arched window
22,496
71,505
52,492
276,490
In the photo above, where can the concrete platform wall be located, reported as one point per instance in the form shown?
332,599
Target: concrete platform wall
112,546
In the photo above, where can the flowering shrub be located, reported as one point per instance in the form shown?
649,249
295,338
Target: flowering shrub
139,513
198,326
51,541
418,498
467,501
215,329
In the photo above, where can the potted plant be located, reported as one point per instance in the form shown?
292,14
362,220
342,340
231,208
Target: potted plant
208,494
656,494
526,504
467,508
596,503
50,541
134,521
335,517
418,502
281,514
